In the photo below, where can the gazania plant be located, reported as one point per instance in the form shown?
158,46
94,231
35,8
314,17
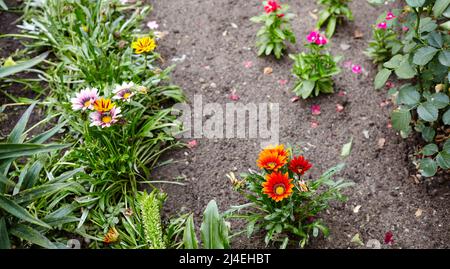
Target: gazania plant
284,203
276,29
314,70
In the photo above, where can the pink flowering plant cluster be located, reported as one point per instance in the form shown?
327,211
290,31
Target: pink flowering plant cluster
314,70
334,12
385,42
276,29
421,63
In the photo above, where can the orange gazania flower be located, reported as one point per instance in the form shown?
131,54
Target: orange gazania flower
272,158
277,186
112,236
299,165
103,105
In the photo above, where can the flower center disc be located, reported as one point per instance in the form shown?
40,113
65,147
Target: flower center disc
87,103
279,189
106,119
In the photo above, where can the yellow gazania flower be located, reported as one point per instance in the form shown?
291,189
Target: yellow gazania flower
143,45
103,105
112,236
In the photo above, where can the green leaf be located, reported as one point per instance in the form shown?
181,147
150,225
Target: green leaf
394,62
446,117
405,70
331,26
40,191
6,181
430,149
428,112
323,17
19,128
446,147
443,159
189,237
408,95
346,149
279,33
424,55
20,150
3,5
10,70
427,167
307,88
19,212
435,39
31,235
401,119
444,57
439,7
440,100
381,78
269,49
428,133
4,238
213,229
415,3
41,138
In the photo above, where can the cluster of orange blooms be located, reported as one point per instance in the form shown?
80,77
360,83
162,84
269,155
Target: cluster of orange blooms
278,185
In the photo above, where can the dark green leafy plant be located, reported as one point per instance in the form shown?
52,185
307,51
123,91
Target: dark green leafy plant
333,13
424,59
214,230
314,70
276,29
30,200
283,204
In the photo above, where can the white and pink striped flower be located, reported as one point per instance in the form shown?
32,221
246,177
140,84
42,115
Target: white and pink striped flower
124,91
84,99
105,119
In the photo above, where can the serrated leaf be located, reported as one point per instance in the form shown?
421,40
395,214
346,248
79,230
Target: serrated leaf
400,119
446,117
443,160
405,70
381,78
430,150
408,95
439,7
444,57
435,39
427,167
415,3
440,100
428,133
428,112
424,55
394,62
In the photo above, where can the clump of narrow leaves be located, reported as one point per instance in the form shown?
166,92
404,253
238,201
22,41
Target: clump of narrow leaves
314,70
334,12
423,61
276,29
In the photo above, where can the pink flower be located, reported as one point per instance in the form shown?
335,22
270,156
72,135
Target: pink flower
280,15
389,238
312,37
405,28
342,93
357,69
234,96
271,6
321,40
248,64
339,108
390,16
382,25
192,144
282,82
105,119
84,99
124,91
153,25
315,110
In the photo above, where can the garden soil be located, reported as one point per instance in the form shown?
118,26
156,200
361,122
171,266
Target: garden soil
212,44
216,41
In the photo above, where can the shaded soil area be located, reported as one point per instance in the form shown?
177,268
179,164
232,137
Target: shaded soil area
215,38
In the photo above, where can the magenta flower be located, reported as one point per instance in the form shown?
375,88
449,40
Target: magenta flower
105,119
312,37
124,91
84,99
382,25
405,28
389,238
321,40
315,110
356,68
390,16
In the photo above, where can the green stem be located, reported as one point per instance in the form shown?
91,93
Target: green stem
419,73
